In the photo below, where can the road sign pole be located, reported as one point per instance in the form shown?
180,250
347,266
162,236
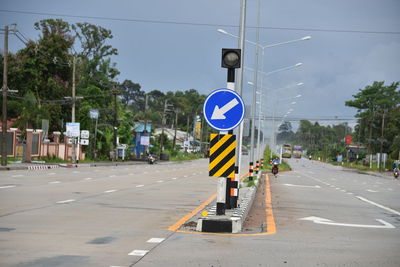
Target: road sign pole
232,184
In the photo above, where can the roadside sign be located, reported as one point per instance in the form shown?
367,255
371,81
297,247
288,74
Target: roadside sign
94,113
73,129
223,109
222,155
85,134
84,142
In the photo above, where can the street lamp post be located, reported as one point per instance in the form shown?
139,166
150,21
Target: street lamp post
256,71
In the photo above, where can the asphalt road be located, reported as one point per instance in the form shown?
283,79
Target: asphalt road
118,216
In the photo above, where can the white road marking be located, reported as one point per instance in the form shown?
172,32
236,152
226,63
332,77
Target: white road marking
141,185
174,178
160,181
185,176
155,240
307,186
111,176
65,201
372,191
75,172
350,193
17,175
110,191
55,182
145,172
390,189
138,252
378,205
318,220
52,173
87,179
7,186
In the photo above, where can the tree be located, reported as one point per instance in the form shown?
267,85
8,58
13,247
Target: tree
377,110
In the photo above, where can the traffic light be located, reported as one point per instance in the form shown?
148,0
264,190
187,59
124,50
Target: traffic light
230,58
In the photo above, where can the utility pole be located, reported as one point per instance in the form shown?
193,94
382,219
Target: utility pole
382,139
73,109
176,127
146,97
5,87
115,121
162,131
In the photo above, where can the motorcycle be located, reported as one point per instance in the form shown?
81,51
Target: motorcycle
151,159
396,173
275,169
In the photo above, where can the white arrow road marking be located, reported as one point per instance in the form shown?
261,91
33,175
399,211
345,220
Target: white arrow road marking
319,220
307,186
218,113
378,205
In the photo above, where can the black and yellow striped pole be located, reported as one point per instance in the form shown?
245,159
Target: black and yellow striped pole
222,164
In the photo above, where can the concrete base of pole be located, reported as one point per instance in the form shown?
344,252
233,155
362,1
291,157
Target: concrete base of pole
233,220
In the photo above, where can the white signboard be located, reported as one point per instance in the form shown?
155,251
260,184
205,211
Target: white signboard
85,134
186,144
84,142
145,140
73,129
94,114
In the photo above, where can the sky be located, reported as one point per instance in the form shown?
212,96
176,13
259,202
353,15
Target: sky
174,45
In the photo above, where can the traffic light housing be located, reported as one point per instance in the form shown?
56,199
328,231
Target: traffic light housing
230,58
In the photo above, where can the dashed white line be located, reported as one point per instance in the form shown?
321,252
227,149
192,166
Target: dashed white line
138,252
160,181
87,179
111,176
155,240
52,173
140,185
65,201
17,175
111,191
372,191
174,178
7,186
55,182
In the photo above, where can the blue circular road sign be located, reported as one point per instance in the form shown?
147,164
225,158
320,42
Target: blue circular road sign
223,109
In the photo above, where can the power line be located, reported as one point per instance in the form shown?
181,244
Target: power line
200,24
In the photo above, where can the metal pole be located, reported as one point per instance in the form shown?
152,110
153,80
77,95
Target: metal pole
239,83
73,109
255,88
95,140
145,121
5,87
115,125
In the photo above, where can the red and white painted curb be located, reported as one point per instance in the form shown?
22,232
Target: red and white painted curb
42,167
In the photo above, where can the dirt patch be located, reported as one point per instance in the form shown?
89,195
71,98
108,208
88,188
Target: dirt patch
255,221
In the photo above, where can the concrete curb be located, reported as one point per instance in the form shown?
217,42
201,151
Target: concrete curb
233,220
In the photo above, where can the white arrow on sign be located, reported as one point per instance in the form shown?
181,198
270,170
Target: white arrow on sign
218,113
306,186
319,220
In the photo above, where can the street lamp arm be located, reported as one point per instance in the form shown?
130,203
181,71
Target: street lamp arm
237,37
275,71
287,42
